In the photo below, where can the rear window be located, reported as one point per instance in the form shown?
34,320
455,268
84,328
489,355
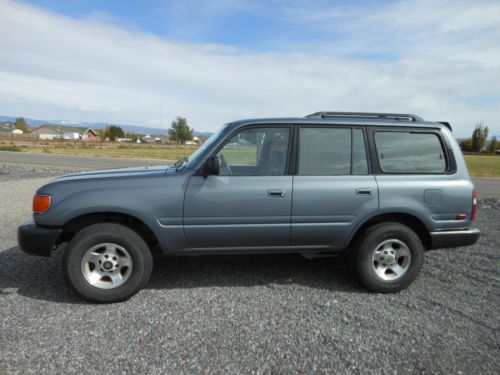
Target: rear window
407,152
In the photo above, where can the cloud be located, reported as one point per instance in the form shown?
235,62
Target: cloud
442,63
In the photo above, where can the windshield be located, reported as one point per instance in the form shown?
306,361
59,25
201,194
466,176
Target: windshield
194,157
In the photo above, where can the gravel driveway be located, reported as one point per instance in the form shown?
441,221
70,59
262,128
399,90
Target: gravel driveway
244,314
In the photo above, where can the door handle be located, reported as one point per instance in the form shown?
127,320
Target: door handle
276,193
364,191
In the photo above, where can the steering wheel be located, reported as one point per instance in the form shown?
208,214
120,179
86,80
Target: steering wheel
224,166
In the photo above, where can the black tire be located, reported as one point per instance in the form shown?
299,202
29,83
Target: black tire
364,250
138,253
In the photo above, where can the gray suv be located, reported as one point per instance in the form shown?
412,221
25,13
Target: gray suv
383,187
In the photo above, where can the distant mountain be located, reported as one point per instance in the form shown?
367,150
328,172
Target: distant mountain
97,125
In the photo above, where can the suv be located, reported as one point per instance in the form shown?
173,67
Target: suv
383,187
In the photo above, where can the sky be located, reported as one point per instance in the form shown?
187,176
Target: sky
146,62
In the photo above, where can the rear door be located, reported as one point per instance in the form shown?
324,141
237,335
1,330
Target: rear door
417,175
333,188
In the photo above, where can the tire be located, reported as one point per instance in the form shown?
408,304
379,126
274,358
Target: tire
388,257
92,263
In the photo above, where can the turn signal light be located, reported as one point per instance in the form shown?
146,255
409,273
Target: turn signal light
41,203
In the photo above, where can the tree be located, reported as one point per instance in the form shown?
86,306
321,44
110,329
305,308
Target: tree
479,137
21,124
180,131
466,144
112,132
132,135
492,148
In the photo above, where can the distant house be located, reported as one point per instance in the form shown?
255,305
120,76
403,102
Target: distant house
6,130
91,135
148,138
194,141
65,132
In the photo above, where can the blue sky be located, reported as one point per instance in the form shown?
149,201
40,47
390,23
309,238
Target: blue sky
145,62
255,25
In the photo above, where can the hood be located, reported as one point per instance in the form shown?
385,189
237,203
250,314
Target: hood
152,170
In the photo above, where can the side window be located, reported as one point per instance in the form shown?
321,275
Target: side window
255,152
407,152
325,151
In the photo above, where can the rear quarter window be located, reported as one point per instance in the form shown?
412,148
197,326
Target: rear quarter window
409,152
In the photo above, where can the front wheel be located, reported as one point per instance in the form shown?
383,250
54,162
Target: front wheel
107,262
388,257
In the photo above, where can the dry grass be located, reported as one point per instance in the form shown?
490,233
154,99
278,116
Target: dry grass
478,165
113,150
483,165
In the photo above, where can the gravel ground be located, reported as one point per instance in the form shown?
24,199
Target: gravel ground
245,314
14,171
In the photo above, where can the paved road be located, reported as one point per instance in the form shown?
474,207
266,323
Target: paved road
486,186
75,161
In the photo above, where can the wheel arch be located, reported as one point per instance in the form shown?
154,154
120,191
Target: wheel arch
75,224
412,221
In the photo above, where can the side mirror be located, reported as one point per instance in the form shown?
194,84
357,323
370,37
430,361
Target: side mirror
212,166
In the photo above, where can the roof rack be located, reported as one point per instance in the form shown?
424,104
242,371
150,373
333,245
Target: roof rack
447,124
368,115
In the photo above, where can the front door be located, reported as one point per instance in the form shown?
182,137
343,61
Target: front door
249,203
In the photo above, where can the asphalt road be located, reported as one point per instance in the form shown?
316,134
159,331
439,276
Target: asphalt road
72,161
486,186
250,314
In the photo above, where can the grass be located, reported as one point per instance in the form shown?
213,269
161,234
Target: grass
479,165
241,156
136,151
483,165
9,148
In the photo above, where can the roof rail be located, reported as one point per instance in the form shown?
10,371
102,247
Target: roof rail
368,115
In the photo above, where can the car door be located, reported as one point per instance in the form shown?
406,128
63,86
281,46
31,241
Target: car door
249,203
332,189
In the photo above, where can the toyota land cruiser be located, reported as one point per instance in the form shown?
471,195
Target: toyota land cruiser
383,187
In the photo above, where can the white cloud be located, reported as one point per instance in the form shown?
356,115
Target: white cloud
444,65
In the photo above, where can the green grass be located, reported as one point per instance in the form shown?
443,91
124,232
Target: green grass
9,148
483,165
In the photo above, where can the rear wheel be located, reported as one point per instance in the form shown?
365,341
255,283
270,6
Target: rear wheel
388,257
107,262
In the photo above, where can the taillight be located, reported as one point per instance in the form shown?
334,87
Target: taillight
41,203
474,205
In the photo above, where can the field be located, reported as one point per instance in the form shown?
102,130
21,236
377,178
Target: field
483,165
479,165
113,150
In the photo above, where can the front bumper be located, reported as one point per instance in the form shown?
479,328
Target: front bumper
36,240
454,238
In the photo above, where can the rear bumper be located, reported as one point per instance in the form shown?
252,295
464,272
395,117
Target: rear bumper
35,240
454,238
